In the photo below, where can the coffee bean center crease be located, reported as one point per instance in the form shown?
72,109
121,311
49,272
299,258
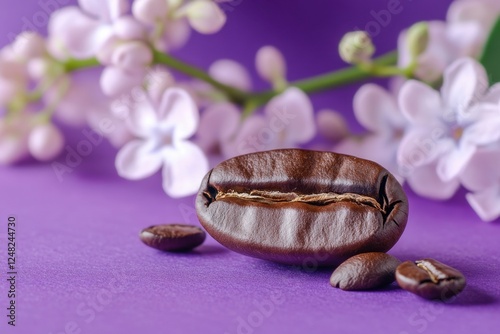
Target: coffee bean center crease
270,197
435,274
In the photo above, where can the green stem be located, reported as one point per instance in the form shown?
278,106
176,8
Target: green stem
235,95
72,65
251,101
332,79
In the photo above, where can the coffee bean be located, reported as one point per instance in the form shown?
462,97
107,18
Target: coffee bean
430,279
173,237
365,271
293,206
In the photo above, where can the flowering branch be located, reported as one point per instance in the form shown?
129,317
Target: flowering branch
437,130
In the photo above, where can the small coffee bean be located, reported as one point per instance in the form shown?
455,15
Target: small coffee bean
365,271
430,279
173,237
292,205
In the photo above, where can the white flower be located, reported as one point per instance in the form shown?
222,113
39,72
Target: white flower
482,178
163,141
446,130
82,31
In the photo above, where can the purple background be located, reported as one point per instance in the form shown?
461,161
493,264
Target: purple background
78,244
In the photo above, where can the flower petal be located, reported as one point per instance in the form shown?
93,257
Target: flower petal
132,56
425,181
291,116
185,167
484,131
115,81
250,138
270,64
419,103
108,11
486,203
128,28
433,61
149,11
175,35
332,125
473,11
493,94
13,140
81,35
482,170
468,37
137,160
231,73
465,82
450,165
421,146
218,124
205,16
376,109
178,111
142,118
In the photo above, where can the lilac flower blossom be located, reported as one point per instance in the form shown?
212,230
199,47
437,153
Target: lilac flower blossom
170,20
446,129
81,32
162,140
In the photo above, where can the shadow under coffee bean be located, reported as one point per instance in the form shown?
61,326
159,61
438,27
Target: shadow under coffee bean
173,237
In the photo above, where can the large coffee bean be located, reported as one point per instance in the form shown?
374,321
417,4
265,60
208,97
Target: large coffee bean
365,271
296,206
430,279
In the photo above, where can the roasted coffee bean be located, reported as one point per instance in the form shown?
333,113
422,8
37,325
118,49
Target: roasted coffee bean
365,271
430,279
173,237
296,206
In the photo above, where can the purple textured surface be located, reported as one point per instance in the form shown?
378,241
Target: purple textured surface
82,268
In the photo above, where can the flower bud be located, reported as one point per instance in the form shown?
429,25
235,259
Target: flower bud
417,39
128,28
157,83
271,64
204,16
149,11
132,56
28,45
45,142
231,73
356,47
332,125
13,141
